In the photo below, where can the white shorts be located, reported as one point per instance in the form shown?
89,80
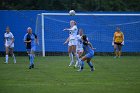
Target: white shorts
79,49
12,46
72,42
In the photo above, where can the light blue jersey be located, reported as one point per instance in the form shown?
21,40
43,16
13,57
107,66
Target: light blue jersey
33,43
89,51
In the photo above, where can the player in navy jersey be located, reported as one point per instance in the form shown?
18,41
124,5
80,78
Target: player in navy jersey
31,41
89,53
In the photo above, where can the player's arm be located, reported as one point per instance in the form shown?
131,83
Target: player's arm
69,29
67,40
122,39
4,39
90,45
36,39
113,40
122,36
12,40
25,39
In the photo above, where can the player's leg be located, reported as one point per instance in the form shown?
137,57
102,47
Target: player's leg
79,52
28,52
115,50
82,63
7,52
31,60
77,62
12,53
119,50
70,55
75,53
32,56
90,64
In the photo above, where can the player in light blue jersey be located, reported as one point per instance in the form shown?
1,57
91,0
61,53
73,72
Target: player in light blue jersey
89,53
31,41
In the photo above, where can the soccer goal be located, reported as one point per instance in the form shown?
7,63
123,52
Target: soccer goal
99,27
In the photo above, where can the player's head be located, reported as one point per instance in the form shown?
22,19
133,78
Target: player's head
29,30
72,23
84,38
118,29
7,29
80,31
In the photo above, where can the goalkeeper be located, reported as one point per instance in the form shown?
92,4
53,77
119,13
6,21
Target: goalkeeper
118,42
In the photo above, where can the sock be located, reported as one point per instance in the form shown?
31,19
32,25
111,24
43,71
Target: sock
90,64
6,58
71,57
29,56
77,57
33,59
82,64
30,59
14,58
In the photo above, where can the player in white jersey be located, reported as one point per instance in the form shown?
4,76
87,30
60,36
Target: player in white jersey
9,44
79,46
72,39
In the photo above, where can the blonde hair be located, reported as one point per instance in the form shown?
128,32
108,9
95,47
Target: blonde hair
73,22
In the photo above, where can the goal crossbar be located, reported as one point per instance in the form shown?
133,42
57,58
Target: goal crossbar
95,14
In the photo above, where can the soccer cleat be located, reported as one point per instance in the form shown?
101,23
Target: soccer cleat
32,65
5,62
92,69
15,61
80,70
71,63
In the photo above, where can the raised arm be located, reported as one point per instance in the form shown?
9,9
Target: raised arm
69,29
90,45
67,40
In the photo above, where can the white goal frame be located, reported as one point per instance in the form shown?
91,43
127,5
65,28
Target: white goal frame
82,14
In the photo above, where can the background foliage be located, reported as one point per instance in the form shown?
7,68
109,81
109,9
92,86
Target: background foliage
79,5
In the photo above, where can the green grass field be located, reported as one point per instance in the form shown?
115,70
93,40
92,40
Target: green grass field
52,75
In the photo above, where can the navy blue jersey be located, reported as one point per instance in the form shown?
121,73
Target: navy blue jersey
29,37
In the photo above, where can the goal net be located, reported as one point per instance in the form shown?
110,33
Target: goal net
99,27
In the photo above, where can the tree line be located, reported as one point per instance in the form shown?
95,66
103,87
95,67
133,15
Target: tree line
78,5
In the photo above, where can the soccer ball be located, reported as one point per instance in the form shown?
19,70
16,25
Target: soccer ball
72,12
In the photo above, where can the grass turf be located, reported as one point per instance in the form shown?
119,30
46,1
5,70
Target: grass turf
52,75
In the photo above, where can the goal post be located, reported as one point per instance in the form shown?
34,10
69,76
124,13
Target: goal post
97,16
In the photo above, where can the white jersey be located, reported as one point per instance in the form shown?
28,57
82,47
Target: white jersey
73,32
79,42
8,37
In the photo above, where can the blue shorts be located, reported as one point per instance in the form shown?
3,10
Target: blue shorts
89,55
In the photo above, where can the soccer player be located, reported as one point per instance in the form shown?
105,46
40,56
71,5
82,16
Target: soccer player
72,39
27,41
9,44
79,47
89,53
118,42
31,40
